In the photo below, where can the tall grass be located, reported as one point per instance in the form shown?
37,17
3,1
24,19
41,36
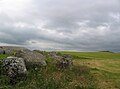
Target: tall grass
49,77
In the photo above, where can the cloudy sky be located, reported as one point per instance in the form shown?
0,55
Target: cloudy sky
72,25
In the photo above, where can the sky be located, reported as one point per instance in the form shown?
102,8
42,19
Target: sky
61,25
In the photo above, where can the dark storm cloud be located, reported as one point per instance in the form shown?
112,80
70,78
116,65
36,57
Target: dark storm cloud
78,25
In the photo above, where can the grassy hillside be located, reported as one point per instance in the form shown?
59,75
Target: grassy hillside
91,70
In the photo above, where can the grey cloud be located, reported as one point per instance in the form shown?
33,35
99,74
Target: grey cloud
61,29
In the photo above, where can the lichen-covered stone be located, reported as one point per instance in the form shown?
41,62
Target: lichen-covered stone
14,68
62,61
10,50
32,57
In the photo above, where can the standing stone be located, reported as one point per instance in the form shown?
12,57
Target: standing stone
14,68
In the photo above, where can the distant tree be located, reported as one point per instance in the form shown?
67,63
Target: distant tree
107,51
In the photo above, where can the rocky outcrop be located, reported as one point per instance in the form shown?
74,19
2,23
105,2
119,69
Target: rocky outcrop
14,68
32,57
41,52
62,61
10,50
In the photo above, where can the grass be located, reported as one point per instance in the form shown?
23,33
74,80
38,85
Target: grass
2,56
91,70
79,77
51,78
105,67
94,55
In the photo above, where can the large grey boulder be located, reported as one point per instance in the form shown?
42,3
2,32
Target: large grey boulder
32,57
65,62
14,68
42,52
10,50
54,55
62,61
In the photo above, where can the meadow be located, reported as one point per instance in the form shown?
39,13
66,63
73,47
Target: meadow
91,70
105,66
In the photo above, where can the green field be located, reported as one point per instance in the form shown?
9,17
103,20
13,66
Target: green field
95,55
105,67
101,71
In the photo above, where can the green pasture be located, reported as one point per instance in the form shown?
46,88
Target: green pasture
101,71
